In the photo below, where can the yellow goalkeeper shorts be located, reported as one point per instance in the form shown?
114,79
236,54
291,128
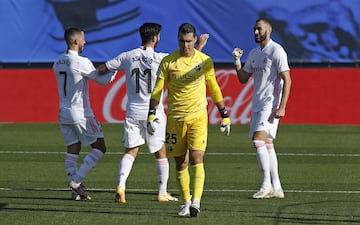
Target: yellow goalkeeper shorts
186,135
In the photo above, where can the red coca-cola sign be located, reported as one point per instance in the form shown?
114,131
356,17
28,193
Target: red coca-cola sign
318,96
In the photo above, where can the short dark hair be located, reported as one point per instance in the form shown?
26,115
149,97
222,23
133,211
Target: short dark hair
186,28
265,20
148,31
69,34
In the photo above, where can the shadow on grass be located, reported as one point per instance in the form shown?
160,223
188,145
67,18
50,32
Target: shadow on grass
312,218
3,205
34,204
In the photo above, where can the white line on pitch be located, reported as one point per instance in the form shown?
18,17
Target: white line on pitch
208,153
173,190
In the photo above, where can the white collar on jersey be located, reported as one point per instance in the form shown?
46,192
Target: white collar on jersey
72,52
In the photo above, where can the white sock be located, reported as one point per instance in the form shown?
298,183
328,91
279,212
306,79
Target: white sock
89,162
274,173
162,170
262,156
71,165
125,166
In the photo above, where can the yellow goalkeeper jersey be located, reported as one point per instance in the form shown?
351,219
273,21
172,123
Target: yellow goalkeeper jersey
186,79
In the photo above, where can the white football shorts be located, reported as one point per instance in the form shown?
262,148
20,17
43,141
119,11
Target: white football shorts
264,121
86,132
135,133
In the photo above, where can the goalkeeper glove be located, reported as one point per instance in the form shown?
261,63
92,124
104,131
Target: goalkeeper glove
237,53
225,122
151,121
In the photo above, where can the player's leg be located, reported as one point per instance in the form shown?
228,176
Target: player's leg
89,133
198,180
274,173
183,178
259,135
125,166
89,162
177,148
197,140
162,171
71,159
73,149
275,179
71,165
71,140
156,145
133,138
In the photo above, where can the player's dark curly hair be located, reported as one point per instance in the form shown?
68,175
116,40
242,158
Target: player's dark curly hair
265,20
148,31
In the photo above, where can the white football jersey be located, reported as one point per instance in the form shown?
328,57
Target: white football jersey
72,74
140,66
266,64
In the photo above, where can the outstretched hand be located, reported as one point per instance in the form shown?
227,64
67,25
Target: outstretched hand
201,41
237,53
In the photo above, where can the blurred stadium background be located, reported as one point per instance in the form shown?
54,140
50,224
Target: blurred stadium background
320,37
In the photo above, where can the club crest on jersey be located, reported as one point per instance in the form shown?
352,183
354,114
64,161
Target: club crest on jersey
197,67
265,60
169,148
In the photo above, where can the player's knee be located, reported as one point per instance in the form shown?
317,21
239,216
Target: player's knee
258,144
99,144
132,151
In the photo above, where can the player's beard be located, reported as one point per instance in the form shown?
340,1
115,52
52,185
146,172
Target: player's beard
81,48
157,41
261,38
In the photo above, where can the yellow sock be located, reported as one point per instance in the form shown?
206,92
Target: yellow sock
198,179
183,178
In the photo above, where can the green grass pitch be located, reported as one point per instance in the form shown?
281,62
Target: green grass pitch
319,167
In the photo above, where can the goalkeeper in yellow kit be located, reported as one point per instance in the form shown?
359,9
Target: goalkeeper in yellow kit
186,73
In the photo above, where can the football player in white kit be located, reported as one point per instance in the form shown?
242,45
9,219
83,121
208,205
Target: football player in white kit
272,83
76,118
140,66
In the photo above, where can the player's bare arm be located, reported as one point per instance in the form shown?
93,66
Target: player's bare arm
102,69
280,112
201,41
241,74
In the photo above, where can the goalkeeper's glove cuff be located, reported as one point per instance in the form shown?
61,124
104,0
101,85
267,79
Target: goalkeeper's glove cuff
152,112
223,113
225,122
